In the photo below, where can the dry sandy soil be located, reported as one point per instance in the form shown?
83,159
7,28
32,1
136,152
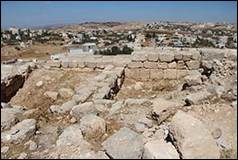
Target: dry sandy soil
40,51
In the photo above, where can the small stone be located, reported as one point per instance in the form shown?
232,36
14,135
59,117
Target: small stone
216,133
138,86
73,120
222,143
140,127
4,149
66,92
32,145
22,156
52,95
39,83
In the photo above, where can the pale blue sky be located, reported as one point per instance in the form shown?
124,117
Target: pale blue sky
62,12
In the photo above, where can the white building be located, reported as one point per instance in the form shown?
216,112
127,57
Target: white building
89,47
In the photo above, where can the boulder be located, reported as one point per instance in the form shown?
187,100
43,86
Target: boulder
72,135
9,117
66,92
83,95
67,106
193,64
192,138
160,149
83,109
20,132
116,107
124,144
197,97
163,109
194,78
92,126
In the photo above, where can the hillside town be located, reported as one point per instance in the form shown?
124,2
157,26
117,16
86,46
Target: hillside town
156,34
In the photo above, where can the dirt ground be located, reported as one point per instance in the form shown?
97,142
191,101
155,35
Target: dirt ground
39,51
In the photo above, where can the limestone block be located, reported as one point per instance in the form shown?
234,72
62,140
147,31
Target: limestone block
187,56
162,65
135,65
150,65
65,64
193,64
172,65
144,74
73,64
170,74
182,73
166,57
181,65
178,56
156,74
153,57
139,57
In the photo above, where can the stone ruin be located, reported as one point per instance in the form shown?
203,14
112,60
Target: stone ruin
104,126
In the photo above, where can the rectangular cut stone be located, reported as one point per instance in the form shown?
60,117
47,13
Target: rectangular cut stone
182,73
166,57
73,64
54,64
139,57
162,65
90,64
144,74
172,65
135,65
150,65
65,64
170,74
156,74
132,73
81,64
211,54
100,65
193,64
181,65
178,56
196,55
153,57
187,56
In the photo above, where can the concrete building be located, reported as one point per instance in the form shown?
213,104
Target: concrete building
89,47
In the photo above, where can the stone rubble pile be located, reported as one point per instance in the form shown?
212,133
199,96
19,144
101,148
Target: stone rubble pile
167,132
